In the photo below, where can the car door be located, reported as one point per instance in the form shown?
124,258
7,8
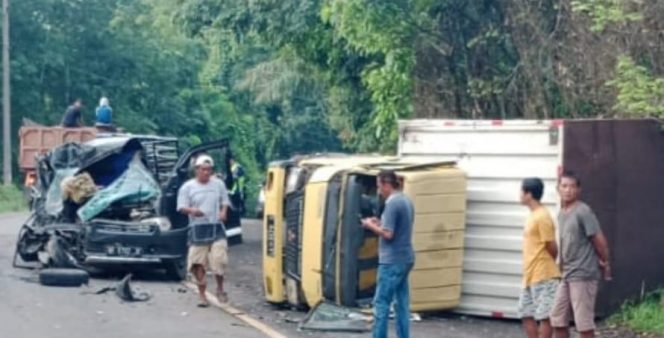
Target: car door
181,173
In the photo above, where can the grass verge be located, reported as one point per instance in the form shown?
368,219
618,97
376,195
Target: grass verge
644,317
11,199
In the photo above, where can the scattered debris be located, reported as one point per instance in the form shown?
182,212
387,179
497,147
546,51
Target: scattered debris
124,291
292,320
32,279
327,316
414,317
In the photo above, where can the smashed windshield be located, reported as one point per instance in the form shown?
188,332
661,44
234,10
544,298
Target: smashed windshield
135,185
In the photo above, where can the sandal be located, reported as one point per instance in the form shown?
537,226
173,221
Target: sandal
222,297
203,304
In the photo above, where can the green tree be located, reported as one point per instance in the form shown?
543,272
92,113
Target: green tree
639,93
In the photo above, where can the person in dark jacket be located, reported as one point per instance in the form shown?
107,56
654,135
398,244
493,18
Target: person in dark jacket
72,117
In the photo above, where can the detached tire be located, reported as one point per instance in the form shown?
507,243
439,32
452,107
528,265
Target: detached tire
63,277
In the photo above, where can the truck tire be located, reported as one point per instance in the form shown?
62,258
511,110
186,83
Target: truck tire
63,277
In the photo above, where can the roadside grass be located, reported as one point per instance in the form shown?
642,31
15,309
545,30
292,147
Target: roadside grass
11,199
644,317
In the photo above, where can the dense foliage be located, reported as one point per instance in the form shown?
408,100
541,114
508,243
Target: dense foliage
280,77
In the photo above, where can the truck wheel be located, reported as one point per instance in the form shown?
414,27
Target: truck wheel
177,269
28,245
63,277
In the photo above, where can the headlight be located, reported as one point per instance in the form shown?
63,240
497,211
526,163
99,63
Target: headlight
163,222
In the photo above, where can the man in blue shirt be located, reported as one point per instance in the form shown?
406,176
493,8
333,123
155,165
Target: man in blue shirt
395,256
104,113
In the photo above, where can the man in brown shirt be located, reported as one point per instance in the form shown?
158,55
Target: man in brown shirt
584,259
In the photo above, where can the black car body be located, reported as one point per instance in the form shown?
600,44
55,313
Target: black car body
131,221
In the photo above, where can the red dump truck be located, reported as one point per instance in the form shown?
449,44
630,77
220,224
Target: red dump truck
36,140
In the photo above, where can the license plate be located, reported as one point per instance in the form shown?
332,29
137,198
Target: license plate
124,251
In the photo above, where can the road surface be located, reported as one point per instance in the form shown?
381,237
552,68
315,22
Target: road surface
30,310
246,293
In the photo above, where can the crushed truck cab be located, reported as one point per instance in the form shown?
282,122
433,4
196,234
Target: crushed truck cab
315,248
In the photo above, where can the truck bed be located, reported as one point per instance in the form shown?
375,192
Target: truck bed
35,140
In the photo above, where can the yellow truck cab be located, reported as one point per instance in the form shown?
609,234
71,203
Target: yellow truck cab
285,186
315,249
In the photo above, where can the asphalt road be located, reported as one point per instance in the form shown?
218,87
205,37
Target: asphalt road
30,310
246,293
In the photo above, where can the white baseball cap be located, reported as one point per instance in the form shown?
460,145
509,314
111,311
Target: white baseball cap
204,160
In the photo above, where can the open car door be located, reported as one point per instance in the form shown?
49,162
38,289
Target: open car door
182,172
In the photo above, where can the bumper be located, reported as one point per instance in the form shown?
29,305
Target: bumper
128,243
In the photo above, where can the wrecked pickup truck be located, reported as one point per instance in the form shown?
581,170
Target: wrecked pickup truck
111,202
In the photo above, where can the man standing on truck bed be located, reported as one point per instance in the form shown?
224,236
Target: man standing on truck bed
72,117
584,258
540,272
205,200
395,256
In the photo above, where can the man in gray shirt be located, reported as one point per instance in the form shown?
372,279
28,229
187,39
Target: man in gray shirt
584,260
395,256
205,200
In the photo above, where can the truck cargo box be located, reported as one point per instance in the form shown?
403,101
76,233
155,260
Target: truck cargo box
35,140
619,162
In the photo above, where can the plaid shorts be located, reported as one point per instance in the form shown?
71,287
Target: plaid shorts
536,301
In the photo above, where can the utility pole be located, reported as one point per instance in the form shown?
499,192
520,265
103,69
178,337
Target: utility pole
6,98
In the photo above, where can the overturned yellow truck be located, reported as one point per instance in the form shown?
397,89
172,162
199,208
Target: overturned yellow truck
314,248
